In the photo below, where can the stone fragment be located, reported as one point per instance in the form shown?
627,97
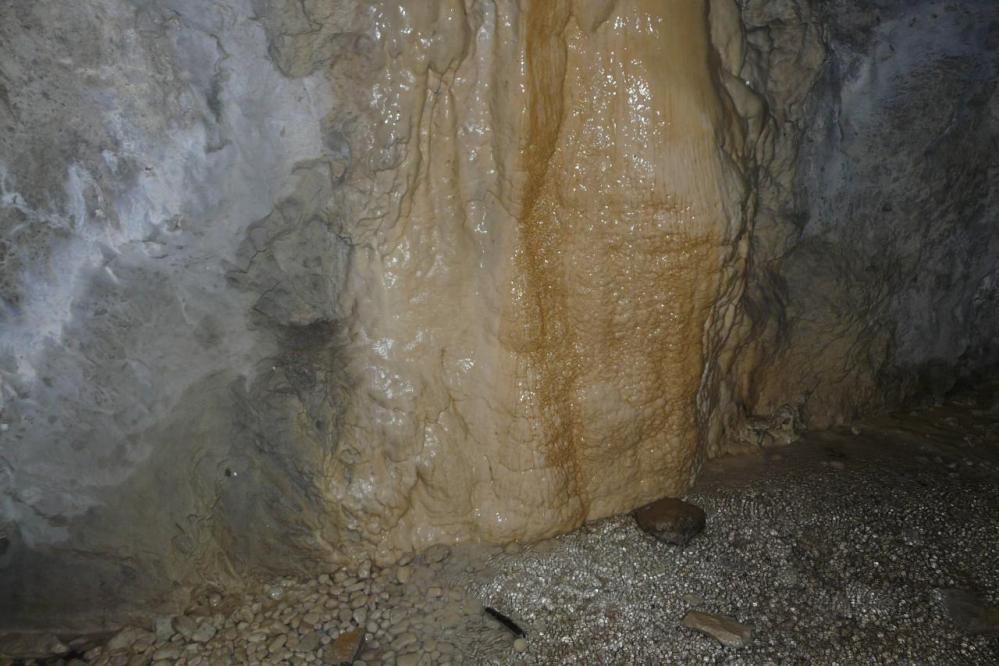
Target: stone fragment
127,637
403,575
437,553
204,633
671,520
164,628
969,613
167,652
505,621
346,647
724,629
364,570
520,645
276,644
185,626
693,600
310,642
408,659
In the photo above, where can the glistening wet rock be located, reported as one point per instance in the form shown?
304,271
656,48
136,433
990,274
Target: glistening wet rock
671,520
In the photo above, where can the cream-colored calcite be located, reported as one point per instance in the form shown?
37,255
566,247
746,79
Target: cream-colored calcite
548,253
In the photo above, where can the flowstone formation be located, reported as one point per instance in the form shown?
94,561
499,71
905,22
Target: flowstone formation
536,282
292,283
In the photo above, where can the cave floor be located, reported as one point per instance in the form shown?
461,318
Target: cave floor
876,544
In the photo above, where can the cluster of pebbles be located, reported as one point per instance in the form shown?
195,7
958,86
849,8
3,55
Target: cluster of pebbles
872,545
406,614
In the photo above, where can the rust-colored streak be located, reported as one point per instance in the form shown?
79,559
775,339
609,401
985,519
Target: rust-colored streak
542,240
619,233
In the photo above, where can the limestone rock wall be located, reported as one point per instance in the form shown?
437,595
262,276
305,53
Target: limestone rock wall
290,282
871,275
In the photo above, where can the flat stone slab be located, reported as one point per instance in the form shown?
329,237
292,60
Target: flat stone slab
969,613
726,630
671,520
346,647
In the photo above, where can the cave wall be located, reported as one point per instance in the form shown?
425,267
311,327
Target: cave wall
167,265
289,282
872,271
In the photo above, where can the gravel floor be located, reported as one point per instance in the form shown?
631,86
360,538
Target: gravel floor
872,545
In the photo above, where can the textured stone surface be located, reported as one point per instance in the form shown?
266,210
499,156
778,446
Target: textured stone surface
285,283
872,266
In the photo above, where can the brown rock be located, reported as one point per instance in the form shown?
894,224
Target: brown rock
346,647
671,520
725,629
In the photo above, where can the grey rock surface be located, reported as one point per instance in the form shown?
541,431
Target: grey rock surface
146,334
872,268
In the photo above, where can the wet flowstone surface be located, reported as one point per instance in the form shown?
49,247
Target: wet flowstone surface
872,545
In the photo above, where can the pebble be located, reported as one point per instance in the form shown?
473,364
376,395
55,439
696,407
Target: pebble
364,570
408,659
513,548
168,652
309,643
726,630
403,574
520,645
693,600
276,644
346,646
437,553
127,637
671,520
164,628
204,633
185,626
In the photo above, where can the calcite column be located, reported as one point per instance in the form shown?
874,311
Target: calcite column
530,314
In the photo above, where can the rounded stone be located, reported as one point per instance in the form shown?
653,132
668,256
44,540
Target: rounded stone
671,520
